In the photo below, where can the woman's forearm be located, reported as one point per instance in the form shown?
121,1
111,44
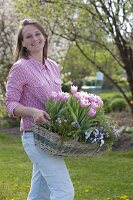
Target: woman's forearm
39,116
23,111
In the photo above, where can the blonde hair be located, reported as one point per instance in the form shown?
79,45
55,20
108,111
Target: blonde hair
21,51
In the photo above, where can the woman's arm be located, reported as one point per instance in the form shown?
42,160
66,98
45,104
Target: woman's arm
39,116
14,88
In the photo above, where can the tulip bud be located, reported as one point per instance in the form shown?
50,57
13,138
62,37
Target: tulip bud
74,89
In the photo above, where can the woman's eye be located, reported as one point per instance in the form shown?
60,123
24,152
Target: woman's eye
29,36
38,33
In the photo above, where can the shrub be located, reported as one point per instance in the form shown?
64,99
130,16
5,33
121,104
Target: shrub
116,96
106,101
117,104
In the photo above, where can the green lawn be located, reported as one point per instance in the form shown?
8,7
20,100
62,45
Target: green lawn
106,177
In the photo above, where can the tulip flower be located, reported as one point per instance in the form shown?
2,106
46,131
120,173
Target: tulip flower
84,103
92,112
74,89
63,96
94,105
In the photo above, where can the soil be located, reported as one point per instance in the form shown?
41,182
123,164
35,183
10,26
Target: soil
125,143
123,119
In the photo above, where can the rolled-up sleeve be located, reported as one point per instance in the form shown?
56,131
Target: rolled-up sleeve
14,88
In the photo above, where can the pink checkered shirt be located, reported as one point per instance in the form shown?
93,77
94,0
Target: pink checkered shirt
30,83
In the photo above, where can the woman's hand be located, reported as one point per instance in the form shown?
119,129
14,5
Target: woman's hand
40,116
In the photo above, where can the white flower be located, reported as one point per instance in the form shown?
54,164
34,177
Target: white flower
87,135
96,132
94,141
58,120
102,143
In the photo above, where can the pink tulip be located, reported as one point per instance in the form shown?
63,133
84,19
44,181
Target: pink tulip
63,96
91,98
77,95
101,103
94,105
54,95
74,89
92,112
84,103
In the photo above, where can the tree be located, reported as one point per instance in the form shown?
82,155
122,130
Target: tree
7,31
98,23
75,66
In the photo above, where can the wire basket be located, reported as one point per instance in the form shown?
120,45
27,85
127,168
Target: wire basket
53,143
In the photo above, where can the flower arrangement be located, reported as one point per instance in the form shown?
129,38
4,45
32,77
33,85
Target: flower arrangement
80,116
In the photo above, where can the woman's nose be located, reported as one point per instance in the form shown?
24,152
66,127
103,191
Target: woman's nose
34,38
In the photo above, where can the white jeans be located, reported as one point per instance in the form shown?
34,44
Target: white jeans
50,178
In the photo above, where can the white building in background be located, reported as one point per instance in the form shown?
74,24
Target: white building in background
99,76
97,85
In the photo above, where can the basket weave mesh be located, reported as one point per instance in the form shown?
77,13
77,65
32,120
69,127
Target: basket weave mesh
53,143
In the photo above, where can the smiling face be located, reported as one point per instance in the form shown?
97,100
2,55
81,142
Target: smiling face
33,39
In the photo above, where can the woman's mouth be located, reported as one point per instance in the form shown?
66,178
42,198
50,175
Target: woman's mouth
35,44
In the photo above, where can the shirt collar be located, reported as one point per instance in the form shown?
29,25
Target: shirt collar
38,64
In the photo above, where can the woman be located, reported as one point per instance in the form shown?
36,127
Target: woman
31,80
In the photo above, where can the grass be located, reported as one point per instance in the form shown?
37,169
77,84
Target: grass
106,177
110,94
